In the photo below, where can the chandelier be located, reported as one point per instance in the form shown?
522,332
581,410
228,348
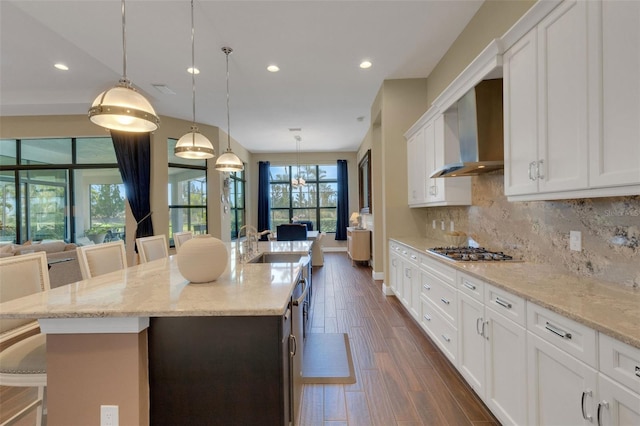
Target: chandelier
298,180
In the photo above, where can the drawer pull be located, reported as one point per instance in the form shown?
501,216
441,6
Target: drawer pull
414,257
426,287
637,370
427,317
446,338
445,301
503,303
469,285
604,404
585,416
555,330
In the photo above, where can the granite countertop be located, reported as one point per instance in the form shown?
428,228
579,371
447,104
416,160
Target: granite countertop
157,289
606,307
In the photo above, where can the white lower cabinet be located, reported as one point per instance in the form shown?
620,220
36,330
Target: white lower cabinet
617,405
395,263
562,389
492,350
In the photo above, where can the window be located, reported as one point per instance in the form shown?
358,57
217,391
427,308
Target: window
315,202
235,185
46,188
187,194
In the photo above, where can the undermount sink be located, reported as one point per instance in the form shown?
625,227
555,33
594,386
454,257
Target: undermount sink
276,258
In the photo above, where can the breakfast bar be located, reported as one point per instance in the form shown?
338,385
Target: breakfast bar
117,339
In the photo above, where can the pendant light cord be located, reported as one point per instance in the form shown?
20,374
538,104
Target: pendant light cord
124,44
227,51
193,78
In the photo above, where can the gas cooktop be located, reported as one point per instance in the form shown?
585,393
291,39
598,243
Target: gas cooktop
471,254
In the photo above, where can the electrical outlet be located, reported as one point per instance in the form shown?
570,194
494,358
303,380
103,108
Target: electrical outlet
442,225
433,225
109,415
575,240
451,227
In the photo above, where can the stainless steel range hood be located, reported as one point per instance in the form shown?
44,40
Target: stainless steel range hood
480,131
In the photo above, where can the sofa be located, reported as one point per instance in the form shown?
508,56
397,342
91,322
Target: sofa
61,273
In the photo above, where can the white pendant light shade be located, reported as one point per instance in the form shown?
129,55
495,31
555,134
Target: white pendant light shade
194,145
229,162
123,108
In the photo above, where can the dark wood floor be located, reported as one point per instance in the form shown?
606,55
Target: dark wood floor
402,378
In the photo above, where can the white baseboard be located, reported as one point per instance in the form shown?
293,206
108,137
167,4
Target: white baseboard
377,275
387,291
333,249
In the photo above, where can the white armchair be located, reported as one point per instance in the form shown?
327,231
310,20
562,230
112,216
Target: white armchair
23,362
101,259
152,248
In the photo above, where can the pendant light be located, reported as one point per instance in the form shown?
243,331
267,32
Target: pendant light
228,162
122,107
298,180
194,145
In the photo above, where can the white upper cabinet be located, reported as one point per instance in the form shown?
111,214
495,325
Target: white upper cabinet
615,87
432,143
416,170
572,103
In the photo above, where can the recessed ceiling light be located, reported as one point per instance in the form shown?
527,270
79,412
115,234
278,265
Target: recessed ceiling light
62,67
273,68
365,64
195,71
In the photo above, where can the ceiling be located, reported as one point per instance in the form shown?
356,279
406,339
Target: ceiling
318,46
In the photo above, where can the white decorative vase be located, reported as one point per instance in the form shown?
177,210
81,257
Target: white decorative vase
202,259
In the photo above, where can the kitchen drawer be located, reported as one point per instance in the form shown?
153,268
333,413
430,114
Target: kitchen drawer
409,254
620,361
439,329
442,295
505,304
470,286
435,267
566,334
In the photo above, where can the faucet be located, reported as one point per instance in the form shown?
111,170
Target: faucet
250,244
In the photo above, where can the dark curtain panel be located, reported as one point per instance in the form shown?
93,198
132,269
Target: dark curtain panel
133,152
263,197
343,201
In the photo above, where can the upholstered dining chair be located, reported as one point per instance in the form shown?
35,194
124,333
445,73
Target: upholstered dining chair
23,361
100,259
180,238
152,248
291,232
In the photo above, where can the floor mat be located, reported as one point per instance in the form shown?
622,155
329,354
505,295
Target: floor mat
328,359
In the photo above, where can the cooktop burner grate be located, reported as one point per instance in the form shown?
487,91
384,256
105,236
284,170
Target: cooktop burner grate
471,254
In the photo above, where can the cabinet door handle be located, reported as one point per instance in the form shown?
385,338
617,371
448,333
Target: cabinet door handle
538,164
435,189
531,164
446,338
604,404
426,287
445,301
468,285
585,416
478,326
503,303
394,262
557,331
293,345
637,370
286,314
427,317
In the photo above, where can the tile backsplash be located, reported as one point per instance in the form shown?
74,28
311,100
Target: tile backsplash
538,231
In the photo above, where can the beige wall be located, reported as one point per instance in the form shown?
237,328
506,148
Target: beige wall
491,21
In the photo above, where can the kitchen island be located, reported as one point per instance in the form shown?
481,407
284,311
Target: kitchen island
153,344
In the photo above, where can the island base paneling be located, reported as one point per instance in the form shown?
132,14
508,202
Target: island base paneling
219,370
